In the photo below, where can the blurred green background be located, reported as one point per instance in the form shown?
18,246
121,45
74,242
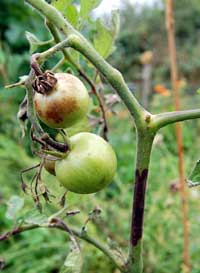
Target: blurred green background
142,29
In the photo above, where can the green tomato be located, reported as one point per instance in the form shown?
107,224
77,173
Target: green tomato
89,166
65,105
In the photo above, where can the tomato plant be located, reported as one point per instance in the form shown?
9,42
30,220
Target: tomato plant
85,163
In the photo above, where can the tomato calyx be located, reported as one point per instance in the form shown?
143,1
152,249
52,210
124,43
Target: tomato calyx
44,81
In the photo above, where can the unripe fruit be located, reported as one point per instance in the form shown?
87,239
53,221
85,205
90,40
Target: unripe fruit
89,166
66,104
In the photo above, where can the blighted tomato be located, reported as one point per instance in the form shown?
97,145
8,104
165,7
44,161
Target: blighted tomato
66,104
89,166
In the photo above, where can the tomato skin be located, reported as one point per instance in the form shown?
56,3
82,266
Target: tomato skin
65,105
89,166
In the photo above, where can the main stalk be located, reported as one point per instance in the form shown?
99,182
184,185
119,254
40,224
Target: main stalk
144,146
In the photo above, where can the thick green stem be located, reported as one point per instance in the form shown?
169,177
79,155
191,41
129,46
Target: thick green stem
164,119
52,14
144,145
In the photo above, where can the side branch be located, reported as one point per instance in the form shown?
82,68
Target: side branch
81,44
58,224
164,119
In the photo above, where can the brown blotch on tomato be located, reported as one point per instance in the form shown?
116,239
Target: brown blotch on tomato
37,108
57,110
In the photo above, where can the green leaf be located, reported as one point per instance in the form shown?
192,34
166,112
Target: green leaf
73,262
115,23
61,5
103,41
87,6
14,205
68,10
198,91
194,178
72,15
106,34
35,217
